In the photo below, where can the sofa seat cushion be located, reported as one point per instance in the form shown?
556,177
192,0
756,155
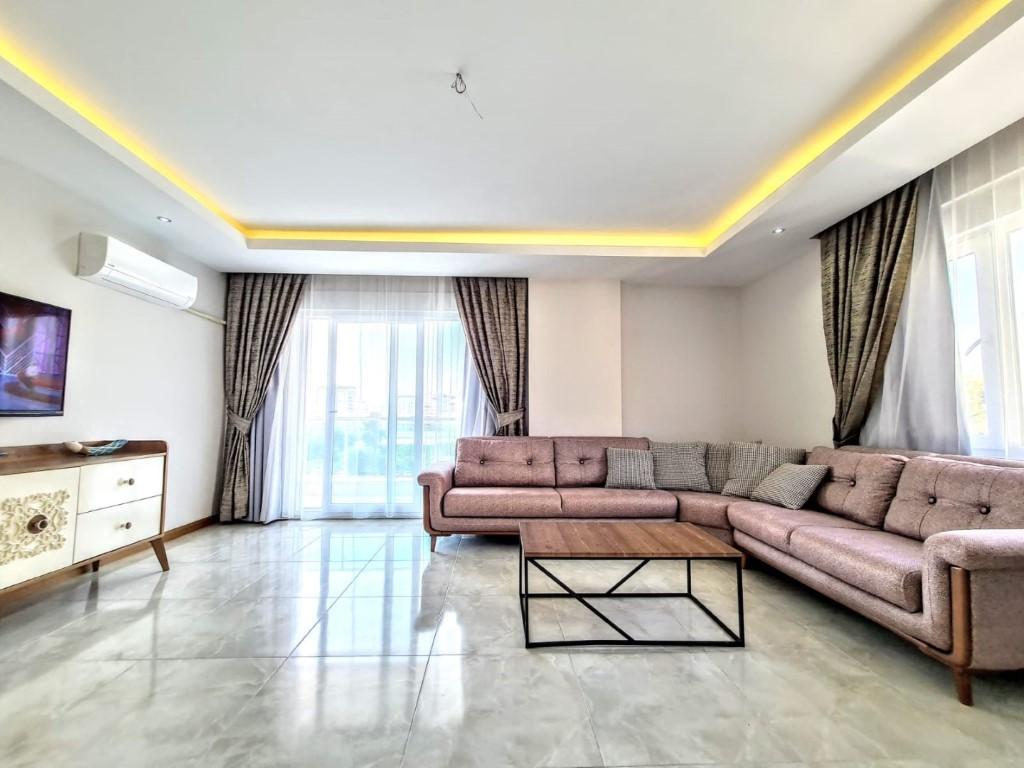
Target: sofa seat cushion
707,509
883,564
502,502
775,525
616,502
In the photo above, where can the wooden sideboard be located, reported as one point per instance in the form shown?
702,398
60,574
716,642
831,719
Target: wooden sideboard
61,511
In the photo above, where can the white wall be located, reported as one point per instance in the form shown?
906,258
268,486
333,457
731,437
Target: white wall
680,366
786,391
135,370
575,357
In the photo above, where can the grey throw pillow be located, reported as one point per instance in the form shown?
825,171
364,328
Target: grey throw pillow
751,463
716,462
680,466
790,485
630,468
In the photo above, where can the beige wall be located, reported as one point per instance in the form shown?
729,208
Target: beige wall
786,391
575,357
135,370
679,363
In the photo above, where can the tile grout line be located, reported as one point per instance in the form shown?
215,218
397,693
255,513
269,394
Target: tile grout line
320,618
426,667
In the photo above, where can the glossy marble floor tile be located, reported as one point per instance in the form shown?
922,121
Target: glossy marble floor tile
351,644
331,712
505,710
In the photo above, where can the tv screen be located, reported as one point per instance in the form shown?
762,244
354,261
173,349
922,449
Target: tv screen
33,357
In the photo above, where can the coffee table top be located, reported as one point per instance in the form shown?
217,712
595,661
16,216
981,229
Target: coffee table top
543,538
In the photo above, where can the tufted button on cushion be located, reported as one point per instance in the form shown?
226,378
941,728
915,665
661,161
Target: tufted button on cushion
483,461
984,510
932,499
853,483
529,462
583,461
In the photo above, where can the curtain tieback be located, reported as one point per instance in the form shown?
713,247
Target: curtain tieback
236,421
508,417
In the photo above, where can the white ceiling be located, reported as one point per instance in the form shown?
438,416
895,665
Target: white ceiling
598,115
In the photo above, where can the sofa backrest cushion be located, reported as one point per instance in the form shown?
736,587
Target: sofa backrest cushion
937,495
581,461
716,461
505,461
859,486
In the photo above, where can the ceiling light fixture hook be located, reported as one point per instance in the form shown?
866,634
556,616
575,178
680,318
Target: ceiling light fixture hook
460,87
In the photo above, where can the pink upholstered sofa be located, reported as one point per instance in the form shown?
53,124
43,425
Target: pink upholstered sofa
931,547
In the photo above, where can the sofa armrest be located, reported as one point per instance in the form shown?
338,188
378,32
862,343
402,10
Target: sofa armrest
436,480
991,549
439,478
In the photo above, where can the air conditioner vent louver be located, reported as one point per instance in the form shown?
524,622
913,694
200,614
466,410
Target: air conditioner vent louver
118,266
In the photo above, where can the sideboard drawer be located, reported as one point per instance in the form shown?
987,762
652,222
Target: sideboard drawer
104,530
118,482
37,523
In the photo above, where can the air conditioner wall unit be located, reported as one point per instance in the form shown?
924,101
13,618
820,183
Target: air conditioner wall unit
116,265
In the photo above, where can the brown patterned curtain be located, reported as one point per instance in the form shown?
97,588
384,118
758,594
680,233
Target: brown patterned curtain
493,312
260,312
865,262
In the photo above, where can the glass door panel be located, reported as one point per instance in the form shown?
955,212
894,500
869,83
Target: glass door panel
359,455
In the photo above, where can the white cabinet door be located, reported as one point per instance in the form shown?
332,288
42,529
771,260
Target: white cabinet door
37,523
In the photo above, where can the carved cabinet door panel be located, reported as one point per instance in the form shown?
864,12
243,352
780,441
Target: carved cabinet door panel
37,523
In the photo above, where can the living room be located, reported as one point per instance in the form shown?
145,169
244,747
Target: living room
545,384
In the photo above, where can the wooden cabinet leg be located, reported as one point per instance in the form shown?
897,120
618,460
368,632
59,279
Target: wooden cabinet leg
161,553
95,565
964,689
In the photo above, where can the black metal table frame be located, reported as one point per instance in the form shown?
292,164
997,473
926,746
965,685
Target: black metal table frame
737,639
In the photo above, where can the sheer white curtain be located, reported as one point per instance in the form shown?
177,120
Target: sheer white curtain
377,382
981,195
919,404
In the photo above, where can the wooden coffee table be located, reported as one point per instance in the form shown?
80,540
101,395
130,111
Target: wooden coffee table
552,541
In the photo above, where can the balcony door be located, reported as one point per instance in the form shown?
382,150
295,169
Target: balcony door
390,401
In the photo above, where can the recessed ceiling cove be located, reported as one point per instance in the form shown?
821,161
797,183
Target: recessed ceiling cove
659,124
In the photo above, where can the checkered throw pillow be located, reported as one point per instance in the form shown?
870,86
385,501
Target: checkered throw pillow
630,468
716,463
680,466
791,485
751,463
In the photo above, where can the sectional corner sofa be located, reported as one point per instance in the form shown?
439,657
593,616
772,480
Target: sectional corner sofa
930,547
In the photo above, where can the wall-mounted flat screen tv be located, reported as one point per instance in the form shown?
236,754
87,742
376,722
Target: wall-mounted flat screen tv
33,357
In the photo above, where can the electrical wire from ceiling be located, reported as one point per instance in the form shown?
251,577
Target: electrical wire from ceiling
459,86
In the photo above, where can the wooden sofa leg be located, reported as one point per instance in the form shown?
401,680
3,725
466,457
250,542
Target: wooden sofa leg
433,543
964,689
743,561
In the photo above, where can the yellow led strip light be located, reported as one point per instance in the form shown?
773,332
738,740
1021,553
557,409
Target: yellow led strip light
782,172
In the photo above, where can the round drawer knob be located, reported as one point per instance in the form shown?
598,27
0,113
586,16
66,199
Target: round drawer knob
129,481
127,526
38,524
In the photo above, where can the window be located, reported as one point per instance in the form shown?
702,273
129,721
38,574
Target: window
378,384
982,193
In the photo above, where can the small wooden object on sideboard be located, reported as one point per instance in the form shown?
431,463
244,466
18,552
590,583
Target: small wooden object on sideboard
61,511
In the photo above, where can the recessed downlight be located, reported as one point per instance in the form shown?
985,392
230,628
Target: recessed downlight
163,219
778,230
